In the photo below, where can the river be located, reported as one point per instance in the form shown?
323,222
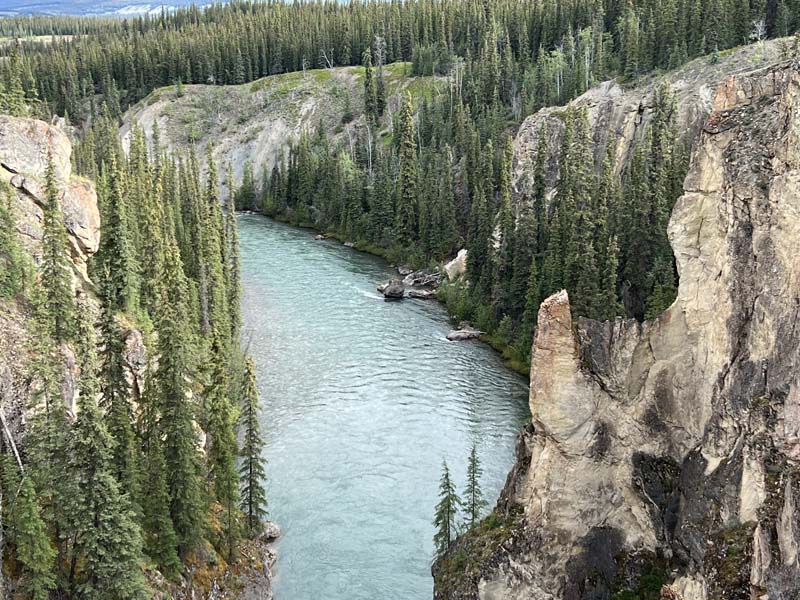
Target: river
362,399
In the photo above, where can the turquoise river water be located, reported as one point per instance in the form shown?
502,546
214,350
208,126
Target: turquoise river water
362,400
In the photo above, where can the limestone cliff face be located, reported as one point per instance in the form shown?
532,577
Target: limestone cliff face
257,122
664,457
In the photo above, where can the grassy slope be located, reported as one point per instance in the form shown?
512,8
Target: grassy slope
257,121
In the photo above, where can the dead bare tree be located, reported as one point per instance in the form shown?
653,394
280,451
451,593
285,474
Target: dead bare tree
369,148
327,57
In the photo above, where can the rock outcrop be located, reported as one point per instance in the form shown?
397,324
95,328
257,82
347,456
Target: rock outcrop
664,457
256,122
25,145
394,289
464,333
620,113
457,267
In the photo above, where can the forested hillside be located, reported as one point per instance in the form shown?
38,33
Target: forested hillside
129,392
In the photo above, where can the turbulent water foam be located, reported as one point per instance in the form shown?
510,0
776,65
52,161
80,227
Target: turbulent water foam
362,400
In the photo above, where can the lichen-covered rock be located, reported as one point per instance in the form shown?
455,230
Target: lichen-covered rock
665,454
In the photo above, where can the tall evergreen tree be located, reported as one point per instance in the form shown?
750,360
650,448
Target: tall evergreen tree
118,254
107,539
474,501
370,93
115,398
14,274
56,264
503,278
446,512
251,471
406,214
223,450
187,502
232,265
160,540
32,548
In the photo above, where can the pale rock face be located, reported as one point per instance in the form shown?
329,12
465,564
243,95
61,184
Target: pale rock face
135,359
617,115
24,148
678,438
457,267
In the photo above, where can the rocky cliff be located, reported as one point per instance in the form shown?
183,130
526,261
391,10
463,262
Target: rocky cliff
620,113
663,458
24,148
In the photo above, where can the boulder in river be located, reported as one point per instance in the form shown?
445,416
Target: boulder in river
271,532
393,289
466,332
422,294
349,245
404,270
319,237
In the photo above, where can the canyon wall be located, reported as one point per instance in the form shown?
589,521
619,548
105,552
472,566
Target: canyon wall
663,458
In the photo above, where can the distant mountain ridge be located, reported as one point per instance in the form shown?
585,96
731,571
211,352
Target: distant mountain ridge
89,7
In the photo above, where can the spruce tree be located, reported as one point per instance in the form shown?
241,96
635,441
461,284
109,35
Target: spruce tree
380,90
223,451
212,249
533,300
32,548
232,265
56,265
14,272
446,512
160,540
406,215
187,502
115,398
107,539
479,260
12,98
370,93
47,429
251,471
503,277
474,502
117,253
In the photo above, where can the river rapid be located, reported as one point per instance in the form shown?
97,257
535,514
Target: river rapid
362,400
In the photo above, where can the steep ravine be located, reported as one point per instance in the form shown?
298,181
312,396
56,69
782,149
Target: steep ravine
662,457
